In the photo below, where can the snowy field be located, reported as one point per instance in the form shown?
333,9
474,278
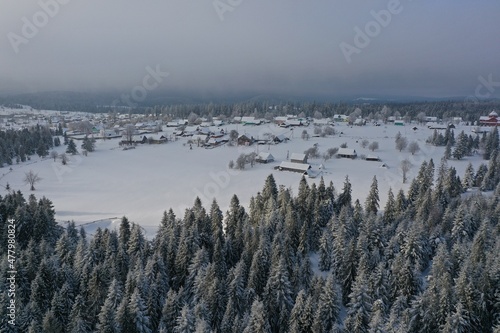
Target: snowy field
142,183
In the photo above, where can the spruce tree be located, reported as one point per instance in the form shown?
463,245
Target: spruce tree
298,317
71,149
372,201
278,296
258,321
325,250
88,144
328,309
358,315
138,313
468,179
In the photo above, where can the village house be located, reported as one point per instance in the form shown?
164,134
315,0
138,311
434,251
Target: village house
298,158
244,140
294,167
264,157
489,120
347,153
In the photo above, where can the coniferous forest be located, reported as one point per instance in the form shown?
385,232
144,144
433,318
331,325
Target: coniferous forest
312,261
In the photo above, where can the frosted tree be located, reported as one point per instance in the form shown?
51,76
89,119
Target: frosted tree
447,151
461,147
458,321
327,312
71,149
468,180
480,174
107,323
79,321
277,296
325,250
359,307
185,321
31,178
170,312
372,201
373,146
258,322
301,316
492,176
401,143
57,317
345,198
413,147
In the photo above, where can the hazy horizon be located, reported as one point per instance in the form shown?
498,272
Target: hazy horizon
235,47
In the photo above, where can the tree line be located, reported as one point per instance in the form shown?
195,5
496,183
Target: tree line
18,146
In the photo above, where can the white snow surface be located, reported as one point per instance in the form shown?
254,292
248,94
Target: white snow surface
142,183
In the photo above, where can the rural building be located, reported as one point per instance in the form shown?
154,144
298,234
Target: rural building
294,167
298,158
264,158
217,141
436,126
157,139
280,138
244,140
294,122
280,120
250,121
347,153
399,122
490,120
372,158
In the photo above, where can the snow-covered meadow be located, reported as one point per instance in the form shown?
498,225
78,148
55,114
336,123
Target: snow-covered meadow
141,183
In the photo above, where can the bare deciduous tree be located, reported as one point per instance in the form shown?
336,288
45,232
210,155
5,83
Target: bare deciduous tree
405,167
401,143
373,146
129,133
54,155
64,158
413,147
31,178
364,143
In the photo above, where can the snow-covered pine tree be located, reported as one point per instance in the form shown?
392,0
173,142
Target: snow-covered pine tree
107,316
258,321
372,201
278,296
325,250
468,179
328,308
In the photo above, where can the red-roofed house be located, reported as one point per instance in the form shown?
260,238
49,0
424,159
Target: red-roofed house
490,120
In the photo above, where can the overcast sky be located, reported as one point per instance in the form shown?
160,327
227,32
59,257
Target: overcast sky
426,48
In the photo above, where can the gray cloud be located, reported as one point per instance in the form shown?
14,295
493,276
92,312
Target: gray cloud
431,49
